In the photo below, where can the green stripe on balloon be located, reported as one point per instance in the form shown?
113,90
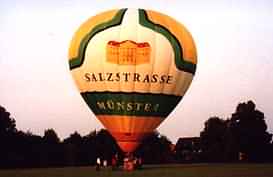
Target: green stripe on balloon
131,104
181,64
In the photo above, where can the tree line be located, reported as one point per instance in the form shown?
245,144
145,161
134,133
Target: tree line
242,137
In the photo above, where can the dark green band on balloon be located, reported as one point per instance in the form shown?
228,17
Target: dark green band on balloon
179,60
132,104
78,61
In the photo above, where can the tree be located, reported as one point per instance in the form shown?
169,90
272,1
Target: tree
29,154
73,146
212,139
7,138
88,148
51,137
248,130
7,124
52,149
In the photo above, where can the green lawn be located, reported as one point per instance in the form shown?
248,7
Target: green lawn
185,170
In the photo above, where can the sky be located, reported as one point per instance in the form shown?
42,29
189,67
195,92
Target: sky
235,62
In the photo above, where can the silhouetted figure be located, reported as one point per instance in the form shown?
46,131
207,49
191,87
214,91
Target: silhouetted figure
104,163
98,164
114,162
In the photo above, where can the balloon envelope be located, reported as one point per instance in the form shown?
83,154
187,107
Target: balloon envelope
132,67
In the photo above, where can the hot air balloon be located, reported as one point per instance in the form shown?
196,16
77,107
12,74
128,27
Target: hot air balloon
132,67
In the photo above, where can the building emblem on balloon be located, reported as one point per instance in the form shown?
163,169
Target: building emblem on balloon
128,52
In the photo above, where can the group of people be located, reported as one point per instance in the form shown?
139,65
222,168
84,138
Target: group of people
100,163
103,163
129,163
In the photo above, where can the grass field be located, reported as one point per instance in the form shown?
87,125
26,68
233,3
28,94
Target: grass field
185,170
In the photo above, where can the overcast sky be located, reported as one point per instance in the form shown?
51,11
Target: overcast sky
235,62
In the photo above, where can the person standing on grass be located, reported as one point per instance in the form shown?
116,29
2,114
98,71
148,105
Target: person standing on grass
139,163
104,163
98,163
114,163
